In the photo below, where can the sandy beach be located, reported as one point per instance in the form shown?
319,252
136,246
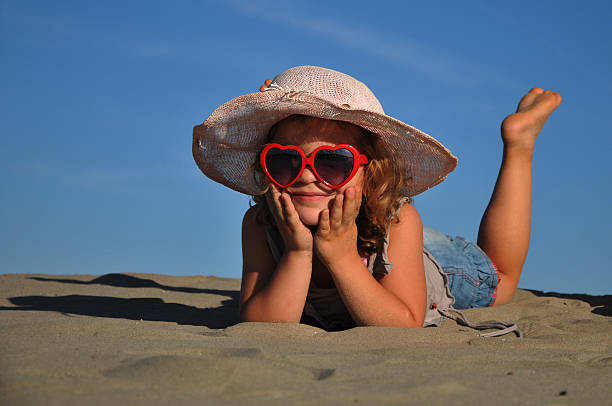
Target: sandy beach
142,339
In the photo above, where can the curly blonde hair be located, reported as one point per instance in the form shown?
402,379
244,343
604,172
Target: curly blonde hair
383,179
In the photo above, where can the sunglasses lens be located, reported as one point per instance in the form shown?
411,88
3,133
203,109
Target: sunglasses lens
283,165
334,166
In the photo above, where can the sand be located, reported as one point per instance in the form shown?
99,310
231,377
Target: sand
142,339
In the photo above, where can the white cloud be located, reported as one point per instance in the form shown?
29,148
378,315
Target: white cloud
435,63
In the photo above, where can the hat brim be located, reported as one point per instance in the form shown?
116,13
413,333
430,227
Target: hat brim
226,145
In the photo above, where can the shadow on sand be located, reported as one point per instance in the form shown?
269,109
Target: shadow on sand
155,309
601,305
150,309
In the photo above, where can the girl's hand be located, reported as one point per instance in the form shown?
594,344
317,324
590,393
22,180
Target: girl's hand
296,235
336,236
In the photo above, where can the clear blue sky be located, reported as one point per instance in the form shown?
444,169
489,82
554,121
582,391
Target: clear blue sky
98,101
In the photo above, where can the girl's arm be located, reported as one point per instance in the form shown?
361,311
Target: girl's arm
405,251
398,299
274,292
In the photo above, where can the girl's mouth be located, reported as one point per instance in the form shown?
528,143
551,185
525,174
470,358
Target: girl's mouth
307,197
310,196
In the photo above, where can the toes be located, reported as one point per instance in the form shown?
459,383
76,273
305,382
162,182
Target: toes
551,95
527,100
536,90
556,97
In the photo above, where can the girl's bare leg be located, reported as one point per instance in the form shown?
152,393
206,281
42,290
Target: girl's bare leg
506,223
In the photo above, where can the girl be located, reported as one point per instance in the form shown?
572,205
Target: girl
330,176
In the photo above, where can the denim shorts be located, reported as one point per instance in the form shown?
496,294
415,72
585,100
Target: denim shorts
472,276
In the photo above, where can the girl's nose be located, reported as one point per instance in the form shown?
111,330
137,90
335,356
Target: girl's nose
307,176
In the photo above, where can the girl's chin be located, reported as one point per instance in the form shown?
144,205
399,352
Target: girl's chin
310,217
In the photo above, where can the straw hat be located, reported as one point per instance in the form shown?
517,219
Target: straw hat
227,144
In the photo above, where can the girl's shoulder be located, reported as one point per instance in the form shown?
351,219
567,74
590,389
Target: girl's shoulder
252,217
250,214
257,256
252,227
405,236
408,220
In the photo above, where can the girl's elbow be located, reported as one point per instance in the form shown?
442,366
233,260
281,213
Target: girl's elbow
412,323
406,320
250,315
414,319
246,315
243,317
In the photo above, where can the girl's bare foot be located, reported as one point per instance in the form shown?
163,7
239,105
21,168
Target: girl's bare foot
522,128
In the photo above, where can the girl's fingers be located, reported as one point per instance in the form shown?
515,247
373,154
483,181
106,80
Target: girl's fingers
336,211
324,226
291,215
349,205
358,200
273,197
352,204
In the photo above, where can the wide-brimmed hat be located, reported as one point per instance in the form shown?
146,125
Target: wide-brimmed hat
227,144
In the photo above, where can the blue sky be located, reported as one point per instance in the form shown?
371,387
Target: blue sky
99,100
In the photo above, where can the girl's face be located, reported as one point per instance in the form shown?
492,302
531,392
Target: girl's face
308,194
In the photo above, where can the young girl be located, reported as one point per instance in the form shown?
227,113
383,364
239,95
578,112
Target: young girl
332,239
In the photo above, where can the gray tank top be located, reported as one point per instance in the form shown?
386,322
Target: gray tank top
325,306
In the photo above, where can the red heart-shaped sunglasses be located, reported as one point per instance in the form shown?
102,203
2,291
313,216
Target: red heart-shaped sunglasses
335,166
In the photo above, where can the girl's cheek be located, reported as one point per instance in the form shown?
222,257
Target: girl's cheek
358,181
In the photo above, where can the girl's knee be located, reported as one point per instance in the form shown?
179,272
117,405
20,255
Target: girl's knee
505,289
